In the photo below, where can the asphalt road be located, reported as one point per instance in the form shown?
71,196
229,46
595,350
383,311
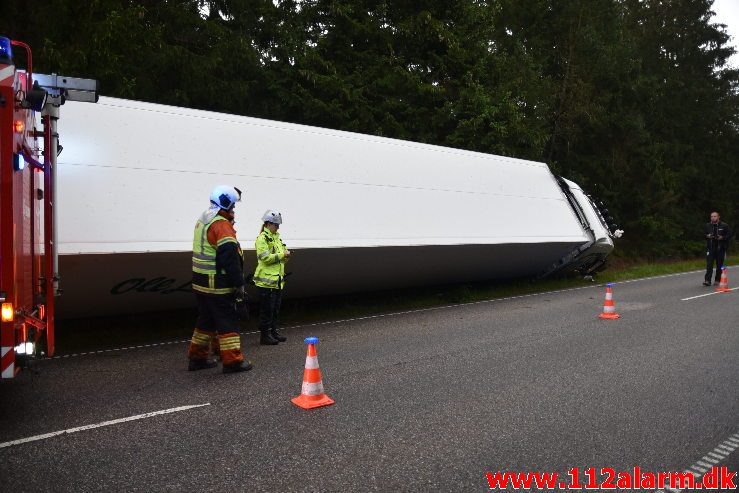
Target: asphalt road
428,400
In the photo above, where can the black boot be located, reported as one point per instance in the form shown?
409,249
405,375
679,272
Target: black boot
201,364
266,338
238,367
277,335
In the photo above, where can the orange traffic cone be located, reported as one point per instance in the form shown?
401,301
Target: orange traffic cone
311,395
723,285
609,309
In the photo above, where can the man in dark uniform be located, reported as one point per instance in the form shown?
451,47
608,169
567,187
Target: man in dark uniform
717,235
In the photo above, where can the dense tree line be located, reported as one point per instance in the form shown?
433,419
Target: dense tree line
630,98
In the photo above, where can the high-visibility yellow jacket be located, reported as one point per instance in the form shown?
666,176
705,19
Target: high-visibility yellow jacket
270,271
216,268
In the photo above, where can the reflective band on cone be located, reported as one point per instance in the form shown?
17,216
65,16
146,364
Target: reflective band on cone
312,388
609,309
311,393
723,285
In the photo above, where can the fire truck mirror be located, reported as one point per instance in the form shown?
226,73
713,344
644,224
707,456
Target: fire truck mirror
36,97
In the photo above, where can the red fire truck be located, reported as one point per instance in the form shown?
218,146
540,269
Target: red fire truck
29,278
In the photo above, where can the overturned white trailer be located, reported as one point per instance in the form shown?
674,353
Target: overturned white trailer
361,213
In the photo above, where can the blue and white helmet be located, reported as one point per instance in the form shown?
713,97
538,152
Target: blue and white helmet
225,197
271,216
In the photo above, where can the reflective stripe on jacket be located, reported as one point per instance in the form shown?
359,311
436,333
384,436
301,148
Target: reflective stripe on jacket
207,275
270,271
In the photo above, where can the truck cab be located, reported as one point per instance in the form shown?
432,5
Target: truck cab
600,227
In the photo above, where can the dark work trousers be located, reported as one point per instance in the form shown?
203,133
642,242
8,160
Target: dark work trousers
269,308
718,255
216,313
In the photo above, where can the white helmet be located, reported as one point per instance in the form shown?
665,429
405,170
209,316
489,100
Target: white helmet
225,197
272,217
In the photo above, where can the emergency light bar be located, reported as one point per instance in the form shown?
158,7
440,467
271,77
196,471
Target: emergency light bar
6,51
70,88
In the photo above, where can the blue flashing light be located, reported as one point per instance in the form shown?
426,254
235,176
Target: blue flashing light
19,162
6,50
610,284
311,340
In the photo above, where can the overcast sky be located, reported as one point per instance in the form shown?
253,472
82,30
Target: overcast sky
727,12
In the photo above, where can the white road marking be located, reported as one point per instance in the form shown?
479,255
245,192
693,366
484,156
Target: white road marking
99,425
101,351
707,294
419,310
489,301
713,457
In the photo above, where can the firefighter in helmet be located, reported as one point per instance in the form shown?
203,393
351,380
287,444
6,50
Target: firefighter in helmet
217,280
269,277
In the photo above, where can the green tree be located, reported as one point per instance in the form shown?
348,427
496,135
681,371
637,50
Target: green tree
630,98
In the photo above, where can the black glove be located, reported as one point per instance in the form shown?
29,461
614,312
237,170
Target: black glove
241,303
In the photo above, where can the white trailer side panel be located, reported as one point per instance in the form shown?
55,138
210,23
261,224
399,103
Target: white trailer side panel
134,177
